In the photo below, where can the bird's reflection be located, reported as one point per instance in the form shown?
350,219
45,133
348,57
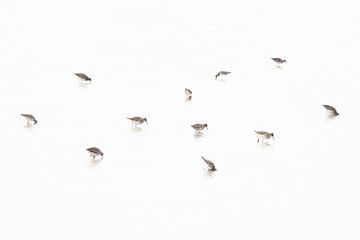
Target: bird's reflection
188,100
198,134
84,83
94,162
29,127
330,117
264,144
209,174
136,128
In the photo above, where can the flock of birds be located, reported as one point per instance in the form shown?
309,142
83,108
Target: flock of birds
96,154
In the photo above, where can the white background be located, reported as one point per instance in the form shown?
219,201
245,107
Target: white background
151,184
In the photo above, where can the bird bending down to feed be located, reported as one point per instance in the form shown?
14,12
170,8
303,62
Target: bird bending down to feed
83,77
94,153
263,135
331,110
198,127
137,120
210,165
30,119
221,74
279,61
188,94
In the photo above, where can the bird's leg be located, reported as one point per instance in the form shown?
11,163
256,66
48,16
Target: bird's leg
258,139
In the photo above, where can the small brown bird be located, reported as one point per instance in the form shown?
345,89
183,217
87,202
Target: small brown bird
331,110
30,119
210,165
188,94
221,74
263,135
278,61
198,127
95,152
137,120
83,77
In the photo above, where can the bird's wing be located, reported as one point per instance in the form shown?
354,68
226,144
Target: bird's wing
94,150
330,108
81,75
135,118
28,116
261,132
278,60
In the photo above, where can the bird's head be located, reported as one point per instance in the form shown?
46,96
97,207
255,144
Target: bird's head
35,121
206,126
272,134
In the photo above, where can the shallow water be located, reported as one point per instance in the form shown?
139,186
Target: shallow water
151,182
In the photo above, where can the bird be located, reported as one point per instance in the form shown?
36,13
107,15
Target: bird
221,73
199,126
138,120
278,61
210,165
331,110
30,119
83,77
263,135
188,94
95,152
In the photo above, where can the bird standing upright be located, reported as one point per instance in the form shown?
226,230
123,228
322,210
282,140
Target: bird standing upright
137,120
83,77
188,94
263,135
279,61
331,110
94,153
221,74
198,127
210,165
30,119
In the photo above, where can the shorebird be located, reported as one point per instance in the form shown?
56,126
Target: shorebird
199,126
263,135
188,94
331,110
83,77
30,119
137,120
278,61
210,165
94,153
221,74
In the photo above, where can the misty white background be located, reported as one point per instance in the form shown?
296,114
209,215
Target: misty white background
151,184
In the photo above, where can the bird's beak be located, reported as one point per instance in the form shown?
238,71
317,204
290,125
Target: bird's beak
273,137
207,128
146,122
